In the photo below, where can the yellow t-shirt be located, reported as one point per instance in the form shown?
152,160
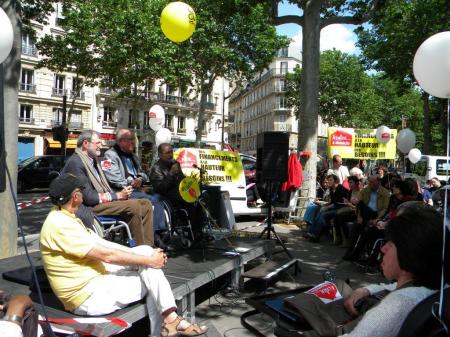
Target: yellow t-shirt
64,244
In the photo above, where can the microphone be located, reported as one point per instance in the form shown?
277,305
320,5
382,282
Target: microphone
195,166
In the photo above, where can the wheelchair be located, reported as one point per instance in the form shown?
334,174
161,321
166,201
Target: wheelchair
113,229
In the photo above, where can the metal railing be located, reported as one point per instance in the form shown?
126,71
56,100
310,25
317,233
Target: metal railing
26,120
27,87
80,96
109,124
58,91
29,50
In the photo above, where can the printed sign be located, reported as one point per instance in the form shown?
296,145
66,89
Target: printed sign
189,189
327,292
218,167
360,144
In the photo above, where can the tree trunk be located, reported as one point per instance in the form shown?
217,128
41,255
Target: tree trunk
201,113
426,123
10,78
309,91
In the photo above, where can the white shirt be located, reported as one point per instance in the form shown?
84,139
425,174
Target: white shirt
341,172
10,329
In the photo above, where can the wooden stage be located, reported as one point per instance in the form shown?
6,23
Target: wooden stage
186,271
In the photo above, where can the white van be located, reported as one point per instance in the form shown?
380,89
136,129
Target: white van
430,167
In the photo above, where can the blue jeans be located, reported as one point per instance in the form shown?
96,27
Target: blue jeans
323,219
159,222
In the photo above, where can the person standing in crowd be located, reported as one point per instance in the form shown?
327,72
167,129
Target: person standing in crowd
122,168
98,197
341,171
92,276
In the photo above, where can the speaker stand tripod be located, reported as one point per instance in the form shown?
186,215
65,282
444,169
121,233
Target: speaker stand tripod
269,229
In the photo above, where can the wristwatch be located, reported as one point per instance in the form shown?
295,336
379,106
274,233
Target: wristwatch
13,318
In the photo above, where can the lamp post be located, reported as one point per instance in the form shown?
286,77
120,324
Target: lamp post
6,42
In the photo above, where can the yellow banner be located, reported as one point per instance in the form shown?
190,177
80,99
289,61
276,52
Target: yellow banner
219,167
360,144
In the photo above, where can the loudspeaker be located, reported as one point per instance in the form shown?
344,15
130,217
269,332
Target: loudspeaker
272,152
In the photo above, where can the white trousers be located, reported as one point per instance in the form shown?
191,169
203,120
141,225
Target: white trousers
125,285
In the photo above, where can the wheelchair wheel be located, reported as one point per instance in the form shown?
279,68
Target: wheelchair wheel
185,243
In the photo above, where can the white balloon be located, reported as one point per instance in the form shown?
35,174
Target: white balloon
383,134
6,36
414,155
163,136
156,116
431,65
406,140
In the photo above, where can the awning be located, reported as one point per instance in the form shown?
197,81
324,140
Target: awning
70,144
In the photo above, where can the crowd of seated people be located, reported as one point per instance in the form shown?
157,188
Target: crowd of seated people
357,218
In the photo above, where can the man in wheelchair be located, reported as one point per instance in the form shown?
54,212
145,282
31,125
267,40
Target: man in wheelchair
165,178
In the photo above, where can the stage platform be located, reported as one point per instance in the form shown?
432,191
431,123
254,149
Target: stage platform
186,271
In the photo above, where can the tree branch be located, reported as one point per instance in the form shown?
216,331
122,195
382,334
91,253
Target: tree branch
351,19
281,20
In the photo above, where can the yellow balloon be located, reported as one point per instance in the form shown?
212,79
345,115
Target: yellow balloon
178,21
189,189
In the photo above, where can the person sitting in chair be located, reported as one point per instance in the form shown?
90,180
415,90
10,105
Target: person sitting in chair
412,257
92,276
122,168
165,177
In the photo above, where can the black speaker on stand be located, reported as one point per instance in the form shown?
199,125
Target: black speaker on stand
272,155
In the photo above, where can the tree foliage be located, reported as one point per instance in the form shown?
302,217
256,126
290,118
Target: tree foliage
349,97
122,43
391,41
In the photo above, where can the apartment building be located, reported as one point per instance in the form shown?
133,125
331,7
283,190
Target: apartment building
262,105
41,93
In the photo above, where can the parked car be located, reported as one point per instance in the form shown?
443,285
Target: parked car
38,171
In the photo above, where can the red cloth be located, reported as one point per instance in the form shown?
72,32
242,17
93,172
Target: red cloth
295,174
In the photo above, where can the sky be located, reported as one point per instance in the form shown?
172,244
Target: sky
336,36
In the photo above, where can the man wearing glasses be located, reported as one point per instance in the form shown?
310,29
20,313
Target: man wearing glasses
122,168
100,198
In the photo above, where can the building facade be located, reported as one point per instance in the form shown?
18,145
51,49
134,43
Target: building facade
262,105
41,94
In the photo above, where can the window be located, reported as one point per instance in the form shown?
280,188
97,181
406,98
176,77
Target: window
146,120
26,113
108,116
58,87
181,124
28,45
283,52
77,84
169,122
27,80
132,115
283,68
282,84
59,14
76,119
57,116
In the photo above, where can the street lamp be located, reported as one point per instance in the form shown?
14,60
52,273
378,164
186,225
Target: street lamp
6,42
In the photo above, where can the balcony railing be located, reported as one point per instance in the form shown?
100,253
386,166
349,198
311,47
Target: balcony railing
27,87
181,131
80,95
106,91
58,91
72,125
26,120
29,49
109,124
282,126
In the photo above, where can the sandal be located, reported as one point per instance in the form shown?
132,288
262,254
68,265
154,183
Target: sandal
171,329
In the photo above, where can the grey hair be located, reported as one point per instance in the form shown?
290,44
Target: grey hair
86,135
121,132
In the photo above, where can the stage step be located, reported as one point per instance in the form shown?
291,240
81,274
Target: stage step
270,269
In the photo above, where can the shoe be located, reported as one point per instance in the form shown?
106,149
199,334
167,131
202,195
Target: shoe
313,238
171,329
159,242
259,202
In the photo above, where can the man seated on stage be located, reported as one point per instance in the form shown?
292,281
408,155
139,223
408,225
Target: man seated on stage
124,169
92,276
165,177
98,194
